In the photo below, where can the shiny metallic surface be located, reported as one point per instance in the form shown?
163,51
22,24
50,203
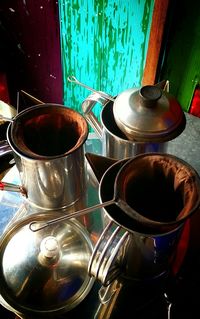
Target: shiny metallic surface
114,143
169,185
148,252
148,114
135,295
55,183
87,107
165,181
44,273
108,255
48,131
55,178
73,79
5,148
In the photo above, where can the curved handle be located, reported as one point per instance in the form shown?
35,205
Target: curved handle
73,79
35,225
89,103
103,264
87,107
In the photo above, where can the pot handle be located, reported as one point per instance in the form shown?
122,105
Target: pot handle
87,107
106,262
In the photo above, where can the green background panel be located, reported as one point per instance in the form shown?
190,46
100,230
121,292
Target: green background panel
181,63
104,44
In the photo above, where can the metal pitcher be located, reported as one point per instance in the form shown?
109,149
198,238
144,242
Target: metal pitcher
162,188
148,200
47,142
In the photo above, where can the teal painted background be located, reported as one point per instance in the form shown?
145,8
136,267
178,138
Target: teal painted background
104,44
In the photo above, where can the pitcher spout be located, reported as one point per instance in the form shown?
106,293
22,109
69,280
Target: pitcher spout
99,164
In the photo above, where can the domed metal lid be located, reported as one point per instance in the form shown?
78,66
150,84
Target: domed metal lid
148,114
46,271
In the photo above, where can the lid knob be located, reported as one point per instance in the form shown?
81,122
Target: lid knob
49,247
149,95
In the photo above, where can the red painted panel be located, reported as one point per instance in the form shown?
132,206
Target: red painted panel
32,60
195,105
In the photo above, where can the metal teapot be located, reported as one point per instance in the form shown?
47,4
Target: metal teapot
138,120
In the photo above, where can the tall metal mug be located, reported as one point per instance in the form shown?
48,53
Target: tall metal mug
47,142
162,188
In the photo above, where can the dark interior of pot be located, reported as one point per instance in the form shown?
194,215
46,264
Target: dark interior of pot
106,191
49,131
160,187
153,195
109,121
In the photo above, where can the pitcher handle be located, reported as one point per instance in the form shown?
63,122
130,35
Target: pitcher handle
103,264
87,107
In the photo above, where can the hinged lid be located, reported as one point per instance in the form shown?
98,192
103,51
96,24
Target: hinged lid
148,114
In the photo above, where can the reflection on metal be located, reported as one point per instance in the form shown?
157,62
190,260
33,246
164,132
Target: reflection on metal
73,79
30,97
108,297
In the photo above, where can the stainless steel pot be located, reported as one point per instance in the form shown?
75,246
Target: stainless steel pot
47,141
44,274
159,187
150,197
135,122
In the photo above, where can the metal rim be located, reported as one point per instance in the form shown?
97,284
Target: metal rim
28,154
142,119
148,226
4,290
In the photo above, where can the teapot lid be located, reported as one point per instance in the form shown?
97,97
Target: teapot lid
45,271
148,114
